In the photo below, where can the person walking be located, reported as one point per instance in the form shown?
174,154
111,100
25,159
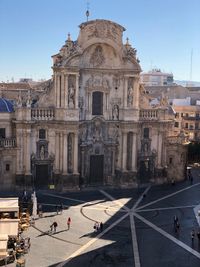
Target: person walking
55,225
101,226
192,236
198,236
69,222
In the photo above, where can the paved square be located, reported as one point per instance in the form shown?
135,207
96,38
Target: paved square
138,228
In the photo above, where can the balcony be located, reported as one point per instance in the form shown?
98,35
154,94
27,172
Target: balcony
149,114
42,114
8,142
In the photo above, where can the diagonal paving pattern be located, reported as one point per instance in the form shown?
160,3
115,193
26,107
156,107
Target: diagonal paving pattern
118,205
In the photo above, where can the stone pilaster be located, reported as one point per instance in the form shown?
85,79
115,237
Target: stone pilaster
65,146
77,91
125,91
75,170
124,149
57,153
66,92
134,152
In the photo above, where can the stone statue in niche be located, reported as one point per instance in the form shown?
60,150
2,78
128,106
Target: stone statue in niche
28,100
42,152
71,96
115,112
130,96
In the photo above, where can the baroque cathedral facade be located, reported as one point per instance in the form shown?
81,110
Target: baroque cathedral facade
91,124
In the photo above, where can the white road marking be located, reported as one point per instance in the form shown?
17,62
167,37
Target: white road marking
140,198
134,242
167,208
167,196
87,245
162,232
61,197
121,205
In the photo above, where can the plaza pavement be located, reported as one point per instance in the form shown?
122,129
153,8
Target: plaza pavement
138,228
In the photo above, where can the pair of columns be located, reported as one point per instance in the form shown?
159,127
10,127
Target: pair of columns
61,90
133,151
61,157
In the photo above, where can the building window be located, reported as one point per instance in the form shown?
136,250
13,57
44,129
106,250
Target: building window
170,160
146,133
2,133
186,114
42,134
186,125
181,114
7,167
176,124
97,103
177,115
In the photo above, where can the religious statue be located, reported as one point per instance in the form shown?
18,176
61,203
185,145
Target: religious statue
42,152
28,100
115,112
130,96
71,96
19,100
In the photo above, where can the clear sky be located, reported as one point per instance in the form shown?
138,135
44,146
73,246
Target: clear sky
164,32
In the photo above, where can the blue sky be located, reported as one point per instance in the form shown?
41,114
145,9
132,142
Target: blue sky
164,32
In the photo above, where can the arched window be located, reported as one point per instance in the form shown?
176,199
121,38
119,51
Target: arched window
42,134
97,103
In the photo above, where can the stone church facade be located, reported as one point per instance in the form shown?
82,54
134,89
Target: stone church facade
91,124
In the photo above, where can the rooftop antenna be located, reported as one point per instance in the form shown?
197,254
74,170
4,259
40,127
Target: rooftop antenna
87,12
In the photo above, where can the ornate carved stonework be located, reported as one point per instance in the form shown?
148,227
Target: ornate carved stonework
104,30
97,82
97,58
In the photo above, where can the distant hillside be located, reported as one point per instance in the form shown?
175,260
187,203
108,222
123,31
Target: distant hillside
187,83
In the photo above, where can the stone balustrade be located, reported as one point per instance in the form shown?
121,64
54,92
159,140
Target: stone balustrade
149,114
8,142
44,114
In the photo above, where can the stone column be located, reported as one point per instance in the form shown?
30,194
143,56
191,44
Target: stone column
20,153
57,148
113,162
62,91
82,162
61,153
159,149
124,149
75,169
77,91
27,153
65,146
136,93
134,152
66,92
125,91
57,90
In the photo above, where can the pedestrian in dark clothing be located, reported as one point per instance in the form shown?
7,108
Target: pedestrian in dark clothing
101,226
69,222
198,236
55,225
61,208
192,236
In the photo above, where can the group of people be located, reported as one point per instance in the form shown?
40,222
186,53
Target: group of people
54,225
193,234
98,226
